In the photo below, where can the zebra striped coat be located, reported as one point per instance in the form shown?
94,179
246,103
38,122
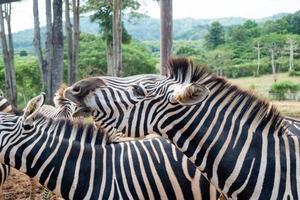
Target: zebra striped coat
74,161
5,106
239,142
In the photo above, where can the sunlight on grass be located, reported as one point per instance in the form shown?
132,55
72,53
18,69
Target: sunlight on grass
261,85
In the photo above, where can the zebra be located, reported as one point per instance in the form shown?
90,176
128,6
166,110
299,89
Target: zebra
239,142
5,106
62,109
293,125
74,160
61,102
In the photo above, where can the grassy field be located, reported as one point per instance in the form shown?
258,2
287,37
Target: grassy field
261,85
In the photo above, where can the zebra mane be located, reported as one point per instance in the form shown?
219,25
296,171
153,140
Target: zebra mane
183,70
69,124
58,98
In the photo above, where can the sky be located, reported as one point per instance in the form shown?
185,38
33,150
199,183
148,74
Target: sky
22,12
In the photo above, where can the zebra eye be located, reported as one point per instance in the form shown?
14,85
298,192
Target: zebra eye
138,91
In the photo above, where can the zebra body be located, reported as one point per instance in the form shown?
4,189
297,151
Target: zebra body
239,142
74,161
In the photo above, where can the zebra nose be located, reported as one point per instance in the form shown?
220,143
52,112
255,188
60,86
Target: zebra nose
76,90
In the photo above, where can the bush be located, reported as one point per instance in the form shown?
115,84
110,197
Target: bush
294,73
278,91
137,60
23,53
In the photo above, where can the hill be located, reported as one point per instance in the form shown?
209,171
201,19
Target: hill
146,28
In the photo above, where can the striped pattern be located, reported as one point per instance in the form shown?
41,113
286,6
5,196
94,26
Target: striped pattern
293,125
207,190
63,109
5,106
239,142
74,161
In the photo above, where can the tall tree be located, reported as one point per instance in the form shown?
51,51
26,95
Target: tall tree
72,33
103,15
51,66
117,38
291,49
258,49
43,64
76,37
8,53
57,68
215,36
166,37
274,70
69,33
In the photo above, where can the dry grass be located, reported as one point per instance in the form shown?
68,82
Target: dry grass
288,108
261,85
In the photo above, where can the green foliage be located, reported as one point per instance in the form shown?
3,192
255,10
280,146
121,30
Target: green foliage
215,36
92,57
92,62
294,73
137,60
23,53
27,77
279,90
103,13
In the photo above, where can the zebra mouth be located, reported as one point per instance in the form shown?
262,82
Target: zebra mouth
81,111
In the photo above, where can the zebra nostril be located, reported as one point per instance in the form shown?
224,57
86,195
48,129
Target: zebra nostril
76,90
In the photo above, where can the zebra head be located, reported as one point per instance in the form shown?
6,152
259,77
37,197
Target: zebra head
12,126
141,99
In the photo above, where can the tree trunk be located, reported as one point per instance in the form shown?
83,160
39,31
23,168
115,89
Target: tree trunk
38,49
10,36
109,58
48,51
117,38
291,59
58,47
166,26
258,58
76,37
11,54
10,79
69,34
273,66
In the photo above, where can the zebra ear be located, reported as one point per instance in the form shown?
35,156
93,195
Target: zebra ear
33,107
190,94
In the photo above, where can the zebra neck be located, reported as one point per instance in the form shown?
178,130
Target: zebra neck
235,147
60,156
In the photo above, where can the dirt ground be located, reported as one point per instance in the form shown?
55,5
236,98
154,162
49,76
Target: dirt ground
18,186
